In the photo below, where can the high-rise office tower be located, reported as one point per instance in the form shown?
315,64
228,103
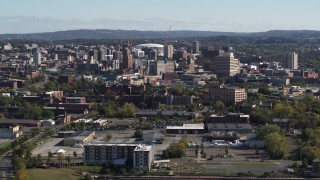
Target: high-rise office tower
195,47
226,65
127,59
168,51
102,54
292,60
36,56
94,53
117,55
153,54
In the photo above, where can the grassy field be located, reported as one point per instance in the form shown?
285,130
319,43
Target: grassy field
5,144
51,174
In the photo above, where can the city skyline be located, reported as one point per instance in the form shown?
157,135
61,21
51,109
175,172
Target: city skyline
203,15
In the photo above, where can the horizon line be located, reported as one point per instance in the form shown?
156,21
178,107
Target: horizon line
43,32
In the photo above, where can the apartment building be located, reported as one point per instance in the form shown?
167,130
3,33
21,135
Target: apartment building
143,157
118,154
228,95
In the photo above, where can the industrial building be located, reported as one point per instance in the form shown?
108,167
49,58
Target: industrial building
186,129
79,138
239,128
230,118
10,132
21,122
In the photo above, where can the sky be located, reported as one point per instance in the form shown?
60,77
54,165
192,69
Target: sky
30,16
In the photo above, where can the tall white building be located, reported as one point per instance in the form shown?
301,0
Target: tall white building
226,65
292,61
143,157
168,51
36,56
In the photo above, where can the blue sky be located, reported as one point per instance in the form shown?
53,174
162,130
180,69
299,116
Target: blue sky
25,16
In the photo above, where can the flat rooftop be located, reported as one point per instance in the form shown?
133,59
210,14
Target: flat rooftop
142,148
188,126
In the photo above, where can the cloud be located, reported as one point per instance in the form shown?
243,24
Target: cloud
31,24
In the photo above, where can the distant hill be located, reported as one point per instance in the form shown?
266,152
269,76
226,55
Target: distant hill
129,34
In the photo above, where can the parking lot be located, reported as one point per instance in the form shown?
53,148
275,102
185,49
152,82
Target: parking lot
53,145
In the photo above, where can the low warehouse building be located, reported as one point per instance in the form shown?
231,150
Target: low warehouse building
240,128
10,132
186,129
79,138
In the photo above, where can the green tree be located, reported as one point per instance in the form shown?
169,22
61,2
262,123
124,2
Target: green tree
129,110
1,115
162,106
138,133
177,90
75,154
48,161
39,159
219,107
267,129
68,159
61,157
108,137
261,115
176,150
146,125
47,114
50,154
226,149
283,111
110,109
275,145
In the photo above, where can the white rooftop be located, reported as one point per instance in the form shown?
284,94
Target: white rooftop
142,148
149,45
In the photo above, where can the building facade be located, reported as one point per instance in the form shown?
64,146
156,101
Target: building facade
292,60
10,132
230,118
127,59
143,157
36,56
168,51
195,47
126,154
228,95
226,65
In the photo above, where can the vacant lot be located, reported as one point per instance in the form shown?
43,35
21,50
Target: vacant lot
51,174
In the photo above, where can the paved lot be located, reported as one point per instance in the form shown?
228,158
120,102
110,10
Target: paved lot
53,145
101,135
229,165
